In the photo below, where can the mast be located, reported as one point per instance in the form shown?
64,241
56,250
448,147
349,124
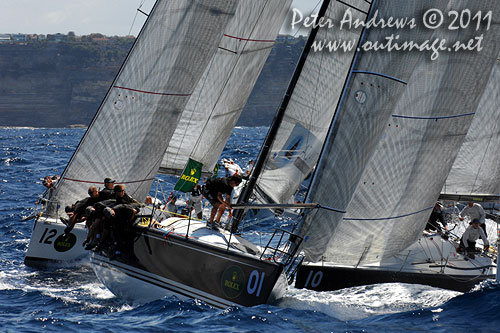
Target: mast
273,130
332,124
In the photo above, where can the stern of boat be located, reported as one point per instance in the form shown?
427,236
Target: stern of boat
48,244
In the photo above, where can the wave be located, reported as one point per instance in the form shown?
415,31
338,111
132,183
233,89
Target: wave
366,301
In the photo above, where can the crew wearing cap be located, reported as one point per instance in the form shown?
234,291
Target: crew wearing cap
108,192
473,233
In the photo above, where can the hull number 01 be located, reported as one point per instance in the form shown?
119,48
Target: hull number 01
255,283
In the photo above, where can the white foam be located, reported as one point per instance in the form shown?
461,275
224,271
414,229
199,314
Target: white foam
7,279
365,301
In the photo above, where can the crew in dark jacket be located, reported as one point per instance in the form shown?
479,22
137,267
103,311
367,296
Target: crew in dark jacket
213,191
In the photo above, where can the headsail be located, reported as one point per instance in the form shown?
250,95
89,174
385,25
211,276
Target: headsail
221,94
399,187
311,108
374,88
476,170
128,136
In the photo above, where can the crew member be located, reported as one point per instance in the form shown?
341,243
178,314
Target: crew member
171,208
474,211
471,234
123,198
107,192
213,190
195,201
436,215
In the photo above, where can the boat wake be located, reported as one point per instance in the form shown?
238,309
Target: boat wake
366,301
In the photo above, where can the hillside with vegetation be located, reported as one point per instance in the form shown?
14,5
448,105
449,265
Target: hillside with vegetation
59,83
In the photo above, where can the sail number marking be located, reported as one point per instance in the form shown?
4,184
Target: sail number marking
255,283
51,234
316,279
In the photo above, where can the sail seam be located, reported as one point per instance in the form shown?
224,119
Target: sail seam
381,75
434,118
390,217
152,92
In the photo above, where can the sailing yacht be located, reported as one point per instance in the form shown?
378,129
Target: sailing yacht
379,135
128,134
176,100
379,238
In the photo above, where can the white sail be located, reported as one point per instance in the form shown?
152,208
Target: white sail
476,170
221,94
402,182
371,96
128,136
312,106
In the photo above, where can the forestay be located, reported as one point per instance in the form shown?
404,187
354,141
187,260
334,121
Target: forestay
373,90
310,110
128,136
399,187
221,94
476,170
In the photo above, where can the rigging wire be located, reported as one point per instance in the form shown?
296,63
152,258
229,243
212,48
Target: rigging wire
302,25
135,17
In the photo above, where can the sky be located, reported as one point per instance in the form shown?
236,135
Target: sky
109,17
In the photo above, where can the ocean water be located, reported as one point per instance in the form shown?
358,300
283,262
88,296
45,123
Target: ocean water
63,299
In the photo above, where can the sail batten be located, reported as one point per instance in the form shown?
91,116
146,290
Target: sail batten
153,92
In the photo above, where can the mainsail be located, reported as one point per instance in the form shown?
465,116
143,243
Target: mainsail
375,85
402,181
311,108
476,170
221,94
128,136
